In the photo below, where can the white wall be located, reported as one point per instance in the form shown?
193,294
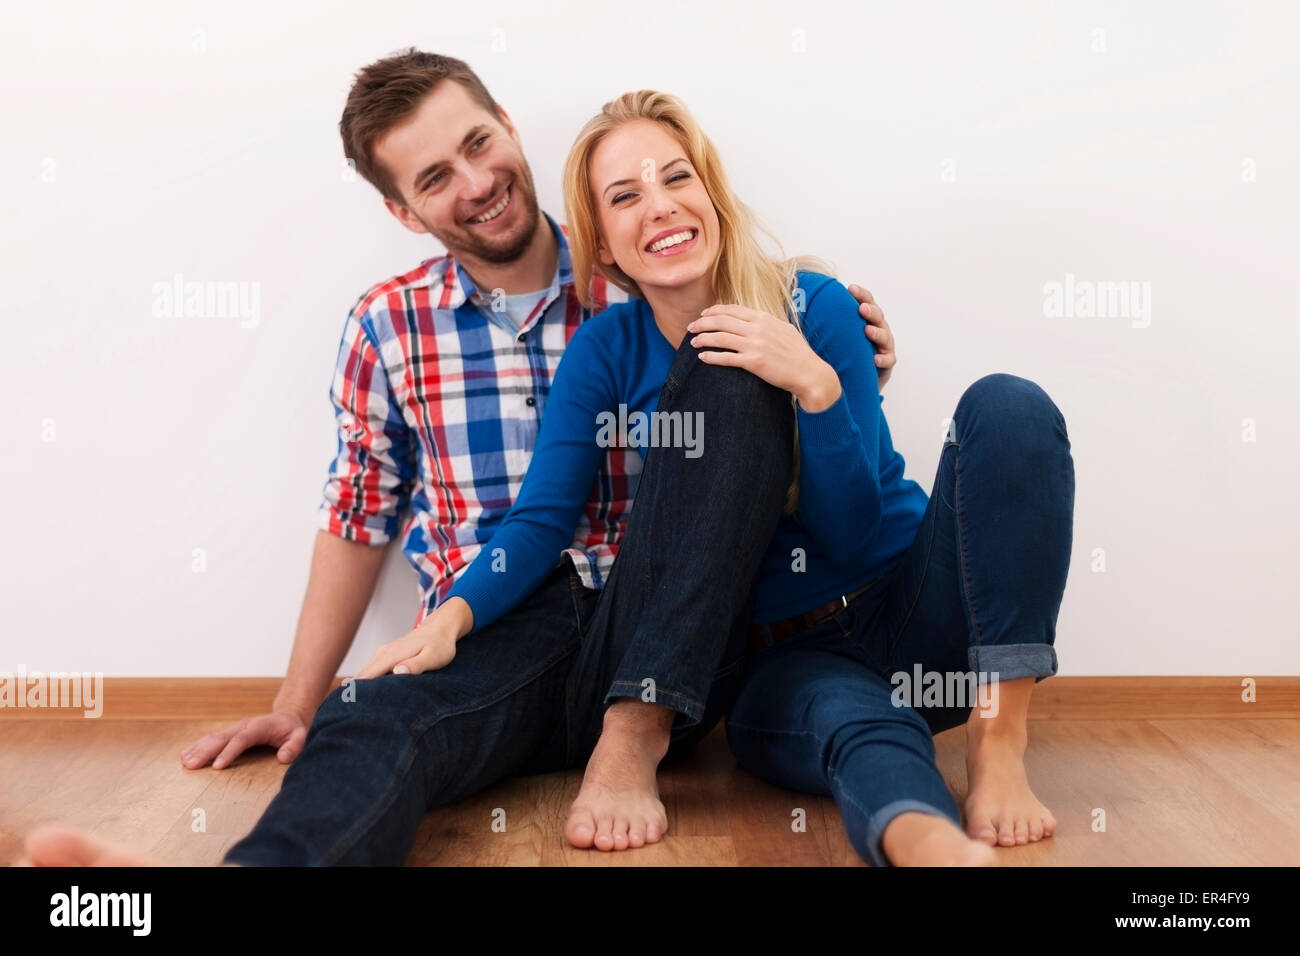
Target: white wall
202,139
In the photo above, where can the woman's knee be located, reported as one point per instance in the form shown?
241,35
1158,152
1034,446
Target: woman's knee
726,390
1017,406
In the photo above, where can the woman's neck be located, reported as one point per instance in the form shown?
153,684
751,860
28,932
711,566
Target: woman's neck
676,308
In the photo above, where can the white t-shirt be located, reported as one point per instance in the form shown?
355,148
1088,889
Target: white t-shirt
519,307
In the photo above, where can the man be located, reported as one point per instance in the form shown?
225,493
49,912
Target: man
441,379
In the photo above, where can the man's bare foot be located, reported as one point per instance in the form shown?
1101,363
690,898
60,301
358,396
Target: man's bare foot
618,806
65,846
1000,808
924,839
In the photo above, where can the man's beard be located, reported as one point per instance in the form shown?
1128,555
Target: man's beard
465,243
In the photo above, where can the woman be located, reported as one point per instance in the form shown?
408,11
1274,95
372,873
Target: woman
864,576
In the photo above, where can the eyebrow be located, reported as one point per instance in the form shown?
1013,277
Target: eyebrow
472,135
624,182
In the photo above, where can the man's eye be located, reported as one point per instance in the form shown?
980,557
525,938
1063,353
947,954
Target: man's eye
480,141
432,180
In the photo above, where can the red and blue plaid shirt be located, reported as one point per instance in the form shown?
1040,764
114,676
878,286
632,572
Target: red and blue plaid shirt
438,400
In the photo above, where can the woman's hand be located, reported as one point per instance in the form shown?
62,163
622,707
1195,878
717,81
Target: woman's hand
429,647
768,347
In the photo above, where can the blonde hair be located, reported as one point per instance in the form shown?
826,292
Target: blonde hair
743,273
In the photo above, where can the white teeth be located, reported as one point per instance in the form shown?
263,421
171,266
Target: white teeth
495,210
674,239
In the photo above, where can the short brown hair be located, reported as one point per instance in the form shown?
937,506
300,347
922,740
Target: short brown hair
386,93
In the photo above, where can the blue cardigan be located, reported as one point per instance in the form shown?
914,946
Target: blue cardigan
857,514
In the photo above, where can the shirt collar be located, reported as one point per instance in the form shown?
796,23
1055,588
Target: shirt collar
463,289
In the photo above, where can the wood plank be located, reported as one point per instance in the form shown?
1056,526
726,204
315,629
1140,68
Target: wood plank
1175,792
1164,698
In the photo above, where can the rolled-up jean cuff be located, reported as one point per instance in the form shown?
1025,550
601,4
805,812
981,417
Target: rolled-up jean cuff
878,821
1012,661
689,711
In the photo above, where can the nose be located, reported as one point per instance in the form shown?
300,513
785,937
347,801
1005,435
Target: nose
659,204
478,182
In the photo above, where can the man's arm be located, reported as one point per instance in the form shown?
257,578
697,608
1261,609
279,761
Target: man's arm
339,587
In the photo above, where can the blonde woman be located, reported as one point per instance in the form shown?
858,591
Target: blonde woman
868,578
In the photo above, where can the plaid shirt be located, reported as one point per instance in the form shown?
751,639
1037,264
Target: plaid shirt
438,401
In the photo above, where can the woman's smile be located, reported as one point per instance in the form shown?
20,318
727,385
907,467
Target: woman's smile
673,242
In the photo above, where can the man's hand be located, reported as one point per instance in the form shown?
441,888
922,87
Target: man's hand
429,647
285,730
878,331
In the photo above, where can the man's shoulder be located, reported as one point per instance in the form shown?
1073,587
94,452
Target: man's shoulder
813,282
828,305
435,280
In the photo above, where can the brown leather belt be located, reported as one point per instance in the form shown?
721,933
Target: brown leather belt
780,630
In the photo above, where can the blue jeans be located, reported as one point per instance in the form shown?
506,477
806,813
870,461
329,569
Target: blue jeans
527,693
977,592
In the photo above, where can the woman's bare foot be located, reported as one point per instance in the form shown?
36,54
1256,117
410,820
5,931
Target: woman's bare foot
923,839
65,846
1000,808
618,806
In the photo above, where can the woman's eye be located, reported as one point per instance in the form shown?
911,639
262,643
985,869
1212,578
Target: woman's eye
677,176
619,198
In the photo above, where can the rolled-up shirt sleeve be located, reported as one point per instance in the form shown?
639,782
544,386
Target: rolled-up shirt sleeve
373,472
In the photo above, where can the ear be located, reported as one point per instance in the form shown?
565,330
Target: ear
603,253
404,216
510,126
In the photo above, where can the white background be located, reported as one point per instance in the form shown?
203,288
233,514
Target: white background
201,139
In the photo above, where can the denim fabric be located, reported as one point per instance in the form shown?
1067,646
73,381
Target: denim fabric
978,590
527,693
676,608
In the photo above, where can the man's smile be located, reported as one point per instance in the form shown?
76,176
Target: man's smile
494,211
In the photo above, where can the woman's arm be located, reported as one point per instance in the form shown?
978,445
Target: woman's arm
840,500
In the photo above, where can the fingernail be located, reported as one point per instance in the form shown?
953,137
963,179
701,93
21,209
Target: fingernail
691,327
401,669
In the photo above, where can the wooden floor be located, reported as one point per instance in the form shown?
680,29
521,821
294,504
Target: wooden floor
1174,791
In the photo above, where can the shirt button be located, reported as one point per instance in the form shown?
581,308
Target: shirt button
530,401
